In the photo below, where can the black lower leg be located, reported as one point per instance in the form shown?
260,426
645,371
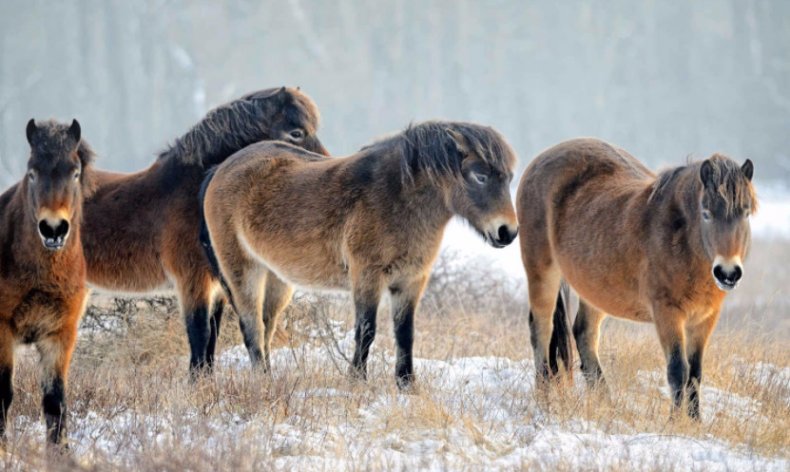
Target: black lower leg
215,322
404,338
54,405
693,385
6,396
364,333
198,331
677,375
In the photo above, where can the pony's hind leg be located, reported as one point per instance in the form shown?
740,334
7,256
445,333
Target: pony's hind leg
215,323
405,298
586,331
696,340
246,285
195,294
6,375
544,285
277,297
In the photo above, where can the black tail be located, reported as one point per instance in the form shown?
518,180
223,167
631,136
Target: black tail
205,238
561,345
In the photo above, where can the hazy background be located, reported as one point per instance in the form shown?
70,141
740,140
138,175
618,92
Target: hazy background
664,79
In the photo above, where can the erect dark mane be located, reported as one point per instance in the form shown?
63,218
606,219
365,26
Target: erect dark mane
665,181
237,124
430,149
732,185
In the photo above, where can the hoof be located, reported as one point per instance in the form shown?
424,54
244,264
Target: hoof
357,373
406,384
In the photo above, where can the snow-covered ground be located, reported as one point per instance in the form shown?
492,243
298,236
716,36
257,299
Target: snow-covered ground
476,412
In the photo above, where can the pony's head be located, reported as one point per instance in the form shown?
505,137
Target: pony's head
295,118
726,202
474,166
282,113
56,179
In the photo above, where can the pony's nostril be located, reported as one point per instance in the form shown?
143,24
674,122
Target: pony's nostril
503,233
62,229
737,273
45,229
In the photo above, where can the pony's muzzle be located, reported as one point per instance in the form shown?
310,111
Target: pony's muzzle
53,231
727,274
504,235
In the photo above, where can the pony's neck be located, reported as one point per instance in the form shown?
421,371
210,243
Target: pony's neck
418,198
213,139
679,201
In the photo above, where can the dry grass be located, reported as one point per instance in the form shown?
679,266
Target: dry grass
131,406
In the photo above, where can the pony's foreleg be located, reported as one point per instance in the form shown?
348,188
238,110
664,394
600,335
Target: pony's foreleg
697,340
55,354
278,296
405,299
670,324
6,375
366,294
586,331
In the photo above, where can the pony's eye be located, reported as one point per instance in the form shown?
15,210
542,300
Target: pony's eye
76,175
480,178
296,134
706,215
31,175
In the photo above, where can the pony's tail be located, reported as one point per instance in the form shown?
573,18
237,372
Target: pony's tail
205,238
561,345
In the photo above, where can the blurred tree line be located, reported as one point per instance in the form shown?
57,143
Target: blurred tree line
663,79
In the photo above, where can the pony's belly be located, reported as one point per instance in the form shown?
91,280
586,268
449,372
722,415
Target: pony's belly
130,281
308,266
315,278
616,301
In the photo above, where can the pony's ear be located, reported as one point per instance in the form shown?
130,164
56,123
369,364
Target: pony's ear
280,96
75,131
30,131
461,144
706,174
748,169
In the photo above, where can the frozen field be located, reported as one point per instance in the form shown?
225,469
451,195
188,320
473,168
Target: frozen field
474,407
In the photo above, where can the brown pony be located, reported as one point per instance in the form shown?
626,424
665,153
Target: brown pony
141,231
369,223
42,269
663,249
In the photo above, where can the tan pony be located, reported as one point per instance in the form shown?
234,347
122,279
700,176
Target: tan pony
370,223
656,248
42,269
141,230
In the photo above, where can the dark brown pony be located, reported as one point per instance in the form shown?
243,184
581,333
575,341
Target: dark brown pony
42,269
370,223
657,248
141,230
